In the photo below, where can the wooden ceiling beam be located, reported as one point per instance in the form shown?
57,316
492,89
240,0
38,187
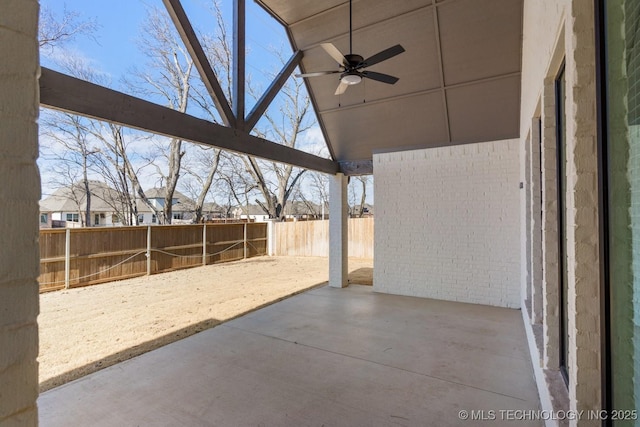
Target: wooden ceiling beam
262,104
62,92
190,40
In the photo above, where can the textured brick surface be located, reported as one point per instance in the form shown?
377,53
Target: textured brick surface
20,191
448,223
338,232
535,242
558,31
582,212
550,292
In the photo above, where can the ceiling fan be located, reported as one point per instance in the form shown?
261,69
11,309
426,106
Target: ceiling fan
352,66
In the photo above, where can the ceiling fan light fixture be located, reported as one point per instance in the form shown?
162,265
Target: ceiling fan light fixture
351,79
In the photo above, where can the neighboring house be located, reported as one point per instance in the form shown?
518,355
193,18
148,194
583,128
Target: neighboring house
66,206
250,212
367,210
182,207
297,210
211,211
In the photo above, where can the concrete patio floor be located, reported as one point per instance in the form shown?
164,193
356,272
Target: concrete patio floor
332,357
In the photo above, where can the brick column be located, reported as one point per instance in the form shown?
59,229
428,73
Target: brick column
338,232
20,192
550,278
582,212
525,220
536,224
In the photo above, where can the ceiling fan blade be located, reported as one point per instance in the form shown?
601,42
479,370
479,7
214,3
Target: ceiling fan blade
317,73
335,53
384,78
381,56
342,87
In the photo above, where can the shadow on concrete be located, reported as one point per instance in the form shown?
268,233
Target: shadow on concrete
361,276
153,344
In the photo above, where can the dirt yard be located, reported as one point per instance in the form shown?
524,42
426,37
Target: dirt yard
86,329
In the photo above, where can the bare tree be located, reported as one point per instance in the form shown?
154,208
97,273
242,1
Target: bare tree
72,157
358,196
301,205
56,31
200,178
203,163
118,169
73,154
320,190
240,186
277,181
167,77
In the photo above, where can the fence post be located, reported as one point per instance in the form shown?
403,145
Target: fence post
148,250
245,240
67,258
271,237
204,244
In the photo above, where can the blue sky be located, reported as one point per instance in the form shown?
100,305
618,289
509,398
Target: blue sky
114,49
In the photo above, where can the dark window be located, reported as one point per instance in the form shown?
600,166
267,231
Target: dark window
561,143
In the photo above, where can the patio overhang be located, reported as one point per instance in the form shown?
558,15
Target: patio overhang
459,76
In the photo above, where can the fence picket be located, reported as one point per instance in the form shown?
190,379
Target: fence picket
311,238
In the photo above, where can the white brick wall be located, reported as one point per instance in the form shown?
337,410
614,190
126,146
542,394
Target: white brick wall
448,223
557,31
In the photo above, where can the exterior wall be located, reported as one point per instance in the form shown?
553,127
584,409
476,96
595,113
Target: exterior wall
447,223
147,219
558,31
21,190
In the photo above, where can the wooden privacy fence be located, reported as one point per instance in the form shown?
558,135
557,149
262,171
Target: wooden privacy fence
311,238
87,256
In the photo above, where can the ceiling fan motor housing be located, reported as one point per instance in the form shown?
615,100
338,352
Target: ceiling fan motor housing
353,60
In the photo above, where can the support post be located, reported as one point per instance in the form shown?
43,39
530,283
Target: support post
19,253
204,244
148,250
245,239
271,237
67,258
338,232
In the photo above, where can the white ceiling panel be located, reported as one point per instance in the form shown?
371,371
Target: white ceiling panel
412,122
459,76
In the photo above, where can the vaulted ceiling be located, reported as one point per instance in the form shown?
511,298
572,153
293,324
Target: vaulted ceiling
459,76
459,81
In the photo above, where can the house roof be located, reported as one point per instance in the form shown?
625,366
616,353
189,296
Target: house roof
158,193
181,203
251,209
72,199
